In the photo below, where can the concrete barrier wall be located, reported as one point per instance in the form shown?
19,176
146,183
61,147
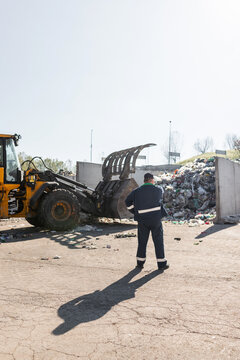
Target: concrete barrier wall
227,188
90,173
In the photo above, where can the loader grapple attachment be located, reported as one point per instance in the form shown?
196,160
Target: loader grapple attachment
122,162
110,194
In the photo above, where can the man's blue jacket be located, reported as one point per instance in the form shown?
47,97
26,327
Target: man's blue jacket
145,202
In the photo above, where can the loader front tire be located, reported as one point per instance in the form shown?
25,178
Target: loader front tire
60,210
35,221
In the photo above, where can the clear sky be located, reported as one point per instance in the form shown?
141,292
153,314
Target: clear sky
123,68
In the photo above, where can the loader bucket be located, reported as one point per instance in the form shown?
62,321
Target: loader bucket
110,194
111,202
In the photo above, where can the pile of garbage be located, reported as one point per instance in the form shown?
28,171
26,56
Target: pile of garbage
189,193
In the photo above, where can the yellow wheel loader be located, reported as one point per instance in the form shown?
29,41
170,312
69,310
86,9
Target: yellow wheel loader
53,201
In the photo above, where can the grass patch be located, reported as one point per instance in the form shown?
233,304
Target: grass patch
231,155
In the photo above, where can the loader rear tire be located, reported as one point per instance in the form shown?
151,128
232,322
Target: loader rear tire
60,210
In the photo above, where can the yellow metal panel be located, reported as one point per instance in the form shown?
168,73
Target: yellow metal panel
4,197
6,136
1,175
5,189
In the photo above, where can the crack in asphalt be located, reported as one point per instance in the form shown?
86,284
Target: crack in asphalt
65,353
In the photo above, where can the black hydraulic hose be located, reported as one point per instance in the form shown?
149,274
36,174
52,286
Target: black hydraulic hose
66,179
38,157
29,162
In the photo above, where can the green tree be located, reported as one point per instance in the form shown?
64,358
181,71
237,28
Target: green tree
53,164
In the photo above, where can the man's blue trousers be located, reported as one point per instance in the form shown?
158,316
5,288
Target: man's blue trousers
144,228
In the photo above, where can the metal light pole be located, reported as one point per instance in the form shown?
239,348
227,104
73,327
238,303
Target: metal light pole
91,146
169,149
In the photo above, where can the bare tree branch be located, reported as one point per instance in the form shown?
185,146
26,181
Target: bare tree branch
230,140
203,145
236,145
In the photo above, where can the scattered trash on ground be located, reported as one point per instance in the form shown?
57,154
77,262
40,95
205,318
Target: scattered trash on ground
6,236
87,245
88,228
91,247
125,235
105,220
56,257
232,219
177,238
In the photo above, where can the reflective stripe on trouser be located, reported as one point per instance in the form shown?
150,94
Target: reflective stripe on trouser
144,229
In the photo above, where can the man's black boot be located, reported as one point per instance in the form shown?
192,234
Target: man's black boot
140,264
163,265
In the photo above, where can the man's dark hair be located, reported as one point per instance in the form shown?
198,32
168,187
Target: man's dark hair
148,177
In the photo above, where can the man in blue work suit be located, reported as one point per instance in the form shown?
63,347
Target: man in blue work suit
145,203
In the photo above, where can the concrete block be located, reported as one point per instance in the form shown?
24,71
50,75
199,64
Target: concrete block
227,188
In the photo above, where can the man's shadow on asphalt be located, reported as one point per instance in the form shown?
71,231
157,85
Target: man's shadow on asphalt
95,305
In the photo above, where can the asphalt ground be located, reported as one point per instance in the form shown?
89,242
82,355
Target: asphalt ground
77,295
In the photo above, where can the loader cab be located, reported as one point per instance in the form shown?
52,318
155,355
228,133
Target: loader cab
11,170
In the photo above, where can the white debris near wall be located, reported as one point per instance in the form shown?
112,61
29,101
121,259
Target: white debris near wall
232,219
189,193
